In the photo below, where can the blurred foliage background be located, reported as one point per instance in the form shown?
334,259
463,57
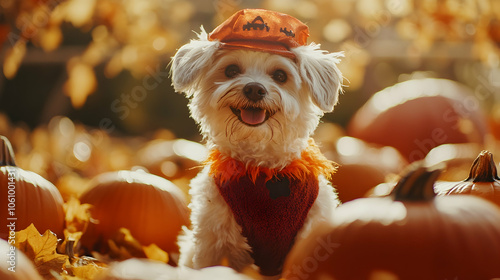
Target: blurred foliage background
105,63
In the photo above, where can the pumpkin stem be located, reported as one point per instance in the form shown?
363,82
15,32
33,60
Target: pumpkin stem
483,168
6,152
417,184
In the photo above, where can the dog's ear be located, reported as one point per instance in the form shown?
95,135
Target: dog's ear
319,71
190,59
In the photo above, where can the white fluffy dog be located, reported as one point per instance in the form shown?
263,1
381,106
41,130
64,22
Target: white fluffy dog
257,90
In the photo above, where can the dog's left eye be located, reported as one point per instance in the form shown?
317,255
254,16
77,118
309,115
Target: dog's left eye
279,76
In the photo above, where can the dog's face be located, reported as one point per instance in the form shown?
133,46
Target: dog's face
256,106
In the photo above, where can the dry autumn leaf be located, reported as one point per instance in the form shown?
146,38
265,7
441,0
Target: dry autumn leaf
124,246
153,252
81,83
76,221
77,215
41,249
84,268
13,59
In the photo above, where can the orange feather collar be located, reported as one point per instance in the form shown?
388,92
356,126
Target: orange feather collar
312,161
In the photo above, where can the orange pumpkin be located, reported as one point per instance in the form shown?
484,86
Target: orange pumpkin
353,180
29,197
483,180
456,157
14,265
151,207
362,167
172,159
418,115
411,234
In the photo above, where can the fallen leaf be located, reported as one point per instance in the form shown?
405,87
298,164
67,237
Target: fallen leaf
85,268
13,58
50,38
77,215
124,246
153,252
81,83
41,249
79,12
50,262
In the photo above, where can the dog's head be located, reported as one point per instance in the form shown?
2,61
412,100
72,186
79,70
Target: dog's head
257,101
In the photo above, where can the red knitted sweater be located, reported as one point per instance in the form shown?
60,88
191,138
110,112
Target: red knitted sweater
270,205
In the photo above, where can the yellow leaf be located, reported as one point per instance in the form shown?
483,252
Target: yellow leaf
51,262
86,272
154,252
79,12
50,38
81,83
41,249
77,215
118,252
85,268
124,246
70,185
13,58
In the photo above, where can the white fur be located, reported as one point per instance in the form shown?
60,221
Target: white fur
312,88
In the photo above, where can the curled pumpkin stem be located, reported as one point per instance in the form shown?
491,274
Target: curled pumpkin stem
6,152
417,184
483,168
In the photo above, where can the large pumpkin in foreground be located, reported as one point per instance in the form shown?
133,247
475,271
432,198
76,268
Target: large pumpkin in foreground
151,207
412,234
27,198
418,115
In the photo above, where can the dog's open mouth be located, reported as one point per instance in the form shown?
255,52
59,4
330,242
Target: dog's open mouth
252,116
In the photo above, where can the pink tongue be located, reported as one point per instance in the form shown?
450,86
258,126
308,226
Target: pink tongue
253,116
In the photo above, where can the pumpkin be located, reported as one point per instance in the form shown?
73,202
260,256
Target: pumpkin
411,234
456,158
172,159
177,160
29,197
151,207
483,180
353,180
418,115
14,265
362,166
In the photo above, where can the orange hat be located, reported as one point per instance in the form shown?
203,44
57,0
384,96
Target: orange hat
261,30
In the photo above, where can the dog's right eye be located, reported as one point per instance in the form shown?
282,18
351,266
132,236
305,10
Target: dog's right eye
232,71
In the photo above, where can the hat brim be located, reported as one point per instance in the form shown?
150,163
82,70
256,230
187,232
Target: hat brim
256,45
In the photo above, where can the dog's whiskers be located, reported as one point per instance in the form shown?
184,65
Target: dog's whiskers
232,92
279,126
234,126
228,119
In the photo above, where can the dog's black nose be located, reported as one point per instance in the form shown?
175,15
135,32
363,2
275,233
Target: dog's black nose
254,91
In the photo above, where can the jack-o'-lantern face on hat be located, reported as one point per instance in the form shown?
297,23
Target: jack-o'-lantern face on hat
261,30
